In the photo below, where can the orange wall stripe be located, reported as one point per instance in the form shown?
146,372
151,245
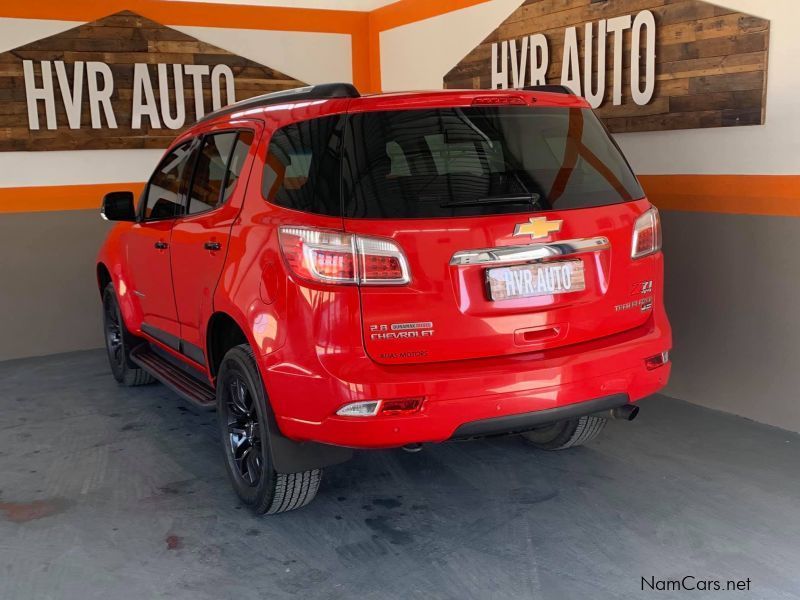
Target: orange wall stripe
361,50
373,61
200,14
241,16
777,195
405,12
60,197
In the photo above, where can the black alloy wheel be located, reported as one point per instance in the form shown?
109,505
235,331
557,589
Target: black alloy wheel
120,342
113,332
244,432
244,411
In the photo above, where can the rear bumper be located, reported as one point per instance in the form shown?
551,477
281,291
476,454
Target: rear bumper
305,402
530,420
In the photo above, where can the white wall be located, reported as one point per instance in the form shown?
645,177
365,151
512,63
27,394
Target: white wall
417,56
18,32
307,56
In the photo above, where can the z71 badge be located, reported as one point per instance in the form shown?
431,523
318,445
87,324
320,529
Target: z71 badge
642,287
401,331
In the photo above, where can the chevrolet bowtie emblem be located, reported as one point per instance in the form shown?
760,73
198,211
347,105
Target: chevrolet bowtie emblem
537,227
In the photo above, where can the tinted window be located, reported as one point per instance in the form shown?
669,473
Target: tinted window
218,168
238,156
209,174
480,161
162,200
302,171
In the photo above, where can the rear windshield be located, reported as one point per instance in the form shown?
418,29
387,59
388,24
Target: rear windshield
456,162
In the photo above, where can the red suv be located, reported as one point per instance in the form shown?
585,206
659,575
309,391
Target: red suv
331,271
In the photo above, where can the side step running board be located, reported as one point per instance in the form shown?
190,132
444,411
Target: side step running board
192,390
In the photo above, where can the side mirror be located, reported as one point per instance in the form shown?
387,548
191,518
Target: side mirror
118,206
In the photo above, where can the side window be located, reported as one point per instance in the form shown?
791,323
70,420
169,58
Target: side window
302,170
209,174
218,167
162,199
238,156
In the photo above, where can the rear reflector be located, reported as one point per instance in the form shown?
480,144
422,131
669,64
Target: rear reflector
646,234
335,257
656,361
401,406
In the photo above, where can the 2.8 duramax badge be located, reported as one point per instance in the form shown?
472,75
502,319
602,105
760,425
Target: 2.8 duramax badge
401,331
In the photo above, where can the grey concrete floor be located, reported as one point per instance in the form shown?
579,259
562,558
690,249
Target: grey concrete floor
108,492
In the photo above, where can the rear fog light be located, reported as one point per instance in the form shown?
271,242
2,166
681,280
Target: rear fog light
371,408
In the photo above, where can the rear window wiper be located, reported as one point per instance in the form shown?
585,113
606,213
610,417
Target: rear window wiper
531,199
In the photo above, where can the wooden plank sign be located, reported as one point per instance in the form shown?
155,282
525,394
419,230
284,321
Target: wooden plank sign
645,65
123,81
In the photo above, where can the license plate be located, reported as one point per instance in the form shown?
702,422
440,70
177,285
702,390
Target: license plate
540,279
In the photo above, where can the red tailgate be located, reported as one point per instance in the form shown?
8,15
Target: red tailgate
445,313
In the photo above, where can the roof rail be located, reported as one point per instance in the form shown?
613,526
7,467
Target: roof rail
309,92
553,89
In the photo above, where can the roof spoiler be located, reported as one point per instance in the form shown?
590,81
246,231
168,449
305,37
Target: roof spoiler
310,92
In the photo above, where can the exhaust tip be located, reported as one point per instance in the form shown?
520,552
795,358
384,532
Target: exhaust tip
627,412
412,448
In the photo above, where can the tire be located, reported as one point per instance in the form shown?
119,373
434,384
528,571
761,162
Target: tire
242,410
566,434
120,342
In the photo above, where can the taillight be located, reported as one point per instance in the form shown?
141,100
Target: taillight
646,234
381,261
319,255
334,257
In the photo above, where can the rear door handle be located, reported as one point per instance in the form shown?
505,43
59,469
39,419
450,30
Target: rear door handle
212,246
161,245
